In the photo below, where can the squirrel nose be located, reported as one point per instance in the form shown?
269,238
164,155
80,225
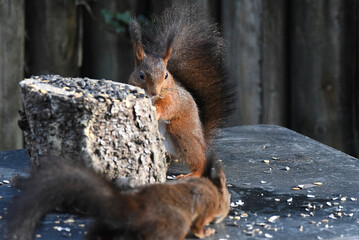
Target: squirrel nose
151,93
154,92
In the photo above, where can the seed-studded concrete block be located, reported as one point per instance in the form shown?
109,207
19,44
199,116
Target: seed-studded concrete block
110,126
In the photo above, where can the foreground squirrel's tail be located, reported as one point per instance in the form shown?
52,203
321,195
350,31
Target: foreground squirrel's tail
197,60
53,186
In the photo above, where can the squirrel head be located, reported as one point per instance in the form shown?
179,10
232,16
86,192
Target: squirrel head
214,172
150,71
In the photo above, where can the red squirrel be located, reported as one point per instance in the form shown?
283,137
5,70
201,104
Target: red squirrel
159,211
179,61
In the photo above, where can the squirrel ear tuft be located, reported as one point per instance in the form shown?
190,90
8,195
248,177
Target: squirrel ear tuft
135,32
167,54
213,170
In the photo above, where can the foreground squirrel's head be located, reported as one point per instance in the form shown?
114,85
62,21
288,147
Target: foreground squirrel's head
215,173
150,71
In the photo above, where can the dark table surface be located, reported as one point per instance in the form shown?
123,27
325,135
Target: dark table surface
284,186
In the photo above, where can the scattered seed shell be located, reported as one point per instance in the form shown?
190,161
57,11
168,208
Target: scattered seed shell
267,235
249,226
69,220
171,177
272,219
249,233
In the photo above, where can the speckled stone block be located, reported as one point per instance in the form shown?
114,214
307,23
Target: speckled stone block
109,125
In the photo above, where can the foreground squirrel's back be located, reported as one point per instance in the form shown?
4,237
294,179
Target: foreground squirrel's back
197,60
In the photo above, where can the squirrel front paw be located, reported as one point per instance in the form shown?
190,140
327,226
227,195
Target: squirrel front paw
205,233
192,174
209,232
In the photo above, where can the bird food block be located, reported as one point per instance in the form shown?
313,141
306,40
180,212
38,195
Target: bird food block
110,126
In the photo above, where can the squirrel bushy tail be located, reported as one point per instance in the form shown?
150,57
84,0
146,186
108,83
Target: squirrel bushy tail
197,60
54,186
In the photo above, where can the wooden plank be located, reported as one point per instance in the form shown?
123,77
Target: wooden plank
274,77
242,152
209,6
323,70
51,45
256,56
107,54
11,71
356,95
241,29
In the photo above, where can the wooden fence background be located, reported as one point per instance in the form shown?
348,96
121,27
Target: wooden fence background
294,62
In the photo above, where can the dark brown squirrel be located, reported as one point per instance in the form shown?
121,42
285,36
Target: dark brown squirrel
158,211
179,61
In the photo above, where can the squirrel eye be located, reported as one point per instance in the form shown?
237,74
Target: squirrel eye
142,76
166,75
